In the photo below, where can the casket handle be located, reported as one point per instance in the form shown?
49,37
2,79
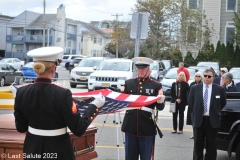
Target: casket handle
75,150
89,147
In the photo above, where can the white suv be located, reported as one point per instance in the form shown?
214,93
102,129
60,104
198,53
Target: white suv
66,59
80,74
111,73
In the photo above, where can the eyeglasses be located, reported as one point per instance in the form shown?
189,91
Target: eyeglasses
207,76
197,76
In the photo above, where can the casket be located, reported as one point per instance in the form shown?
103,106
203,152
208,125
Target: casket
11,141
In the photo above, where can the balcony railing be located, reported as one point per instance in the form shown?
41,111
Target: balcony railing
17,54
27,39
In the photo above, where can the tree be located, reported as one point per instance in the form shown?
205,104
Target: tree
121,38
176,57
111,48
237,59
229,55
195,27
208,51
171,23
218,53
189,60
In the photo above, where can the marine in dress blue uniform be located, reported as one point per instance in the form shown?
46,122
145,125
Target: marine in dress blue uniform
44,111
138,124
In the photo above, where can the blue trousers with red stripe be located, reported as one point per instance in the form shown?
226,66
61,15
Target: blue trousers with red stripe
135,146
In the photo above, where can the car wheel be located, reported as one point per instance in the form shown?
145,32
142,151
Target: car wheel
2,82
73,85
67,66
238,151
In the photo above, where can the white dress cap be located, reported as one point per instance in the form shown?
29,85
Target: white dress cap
142,60
224,69
49,54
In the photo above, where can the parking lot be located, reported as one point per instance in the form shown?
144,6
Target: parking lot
171,146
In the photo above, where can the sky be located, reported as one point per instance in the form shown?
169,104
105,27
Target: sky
82,10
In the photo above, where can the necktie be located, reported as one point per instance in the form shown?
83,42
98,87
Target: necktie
205,99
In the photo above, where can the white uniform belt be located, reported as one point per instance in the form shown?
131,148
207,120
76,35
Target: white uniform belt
54,132
147,109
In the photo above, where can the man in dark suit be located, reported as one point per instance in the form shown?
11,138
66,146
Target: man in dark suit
205,102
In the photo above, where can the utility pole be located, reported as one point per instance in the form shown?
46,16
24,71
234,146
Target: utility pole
117,34
44,23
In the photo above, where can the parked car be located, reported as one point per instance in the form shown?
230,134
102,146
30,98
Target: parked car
30,75
158,70
80,74
74,63
8,75
229,132
14,62
214,65
111,73
171,77
168,64
236,74
202,69
67,59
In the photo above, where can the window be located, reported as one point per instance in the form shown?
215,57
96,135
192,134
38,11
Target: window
229,34
192,4
94,39
231,5
105,26
100,40
20,32
69,43
94,53
191,35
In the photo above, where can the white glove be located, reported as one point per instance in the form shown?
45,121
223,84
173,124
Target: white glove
14,90
99,100
162,99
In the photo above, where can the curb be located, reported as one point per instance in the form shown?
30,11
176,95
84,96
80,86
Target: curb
6,95
5,91
6,106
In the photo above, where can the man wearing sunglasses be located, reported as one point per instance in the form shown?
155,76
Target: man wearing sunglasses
138,124
205,102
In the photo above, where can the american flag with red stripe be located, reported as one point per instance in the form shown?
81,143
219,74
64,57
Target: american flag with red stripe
114,101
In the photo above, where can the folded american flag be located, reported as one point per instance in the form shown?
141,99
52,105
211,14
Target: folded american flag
114,101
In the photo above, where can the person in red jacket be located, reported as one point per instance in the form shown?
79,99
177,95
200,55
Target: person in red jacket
181,68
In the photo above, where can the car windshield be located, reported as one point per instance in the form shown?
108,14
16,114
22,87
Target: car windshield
166,64
5,61
172,74
213,65
154,66
116,66
235,73
29,65
199,69
90,62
